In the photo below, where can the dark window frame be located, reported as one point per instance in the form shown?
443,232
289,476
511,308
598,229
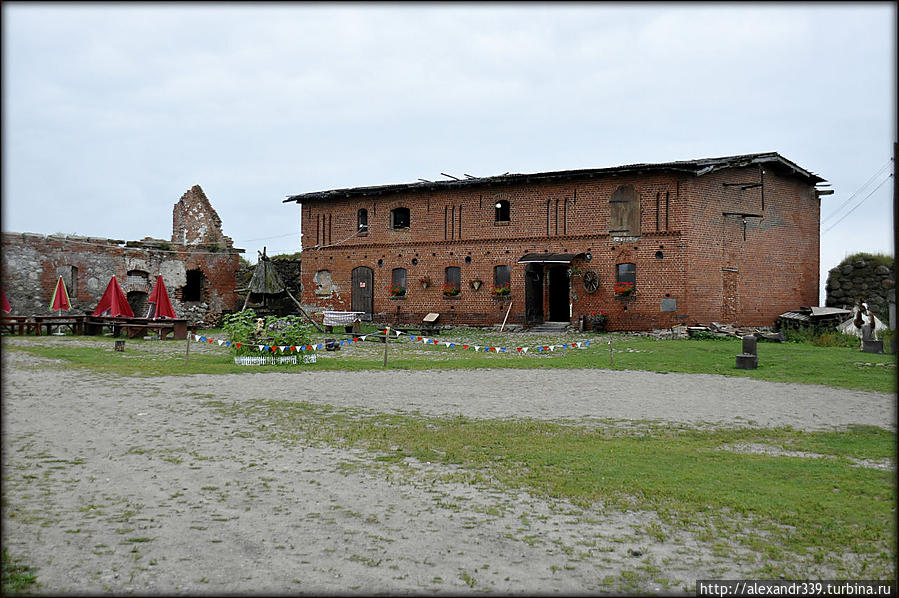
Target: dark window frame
503,211
400,218
362,221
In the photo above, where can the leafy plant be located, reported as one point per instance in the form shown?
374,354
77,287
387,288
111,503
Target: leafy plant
598,321
624,289
451,289
396,290
501,290
245,328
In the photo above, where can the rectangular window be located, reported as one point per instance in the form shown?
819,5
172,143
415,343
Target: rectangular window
453,283
502,280
70,278
399,276
626,279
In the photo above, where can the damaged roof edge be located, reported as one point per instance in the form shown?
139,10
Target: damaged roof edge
693,167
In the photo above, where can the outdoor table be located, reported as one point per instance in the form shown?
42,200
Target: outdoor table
20,325
73,323
350,320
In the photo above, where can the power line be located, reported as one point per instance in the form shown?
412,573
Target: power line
266,238
859,190
860,203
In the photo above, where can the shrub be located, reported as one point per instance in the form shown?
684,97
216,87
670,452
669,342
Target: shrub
244,328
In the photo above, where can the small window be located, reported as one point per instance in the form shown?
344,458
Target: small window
453,283
322,280
362,220
502,280
399,218
70,278
193,290
624,212
398,282
626,279
502,211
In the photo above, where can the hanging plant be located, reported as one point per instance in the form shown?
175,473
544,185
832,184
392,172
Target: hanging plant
476,283
425,281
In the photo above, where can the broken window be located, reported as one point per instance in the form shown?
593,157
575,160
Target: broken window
193,289
137,280
624,212
399,218
362,221
502,211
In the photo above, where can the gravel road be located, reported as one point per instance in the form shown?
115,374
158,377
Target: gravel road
125,485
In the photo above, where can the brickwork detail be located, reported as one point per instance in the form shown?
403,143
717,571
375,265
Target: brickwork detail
687,249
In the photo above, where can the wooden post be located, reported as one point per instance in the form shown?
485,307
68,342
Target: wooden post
386,338
507,315
187,350
611,353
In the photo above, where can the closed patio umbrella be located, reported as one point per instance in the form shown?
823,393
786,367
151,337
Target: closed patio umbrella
160,304
113,302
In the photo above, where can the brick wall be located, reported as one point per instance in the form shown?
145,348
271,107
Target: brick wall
687,253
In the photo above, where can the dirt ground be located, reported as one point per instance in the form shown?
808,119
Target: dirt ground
136,485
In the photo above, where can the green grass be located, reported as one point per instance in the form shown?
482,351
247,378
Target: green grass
804,363
777,506
17,578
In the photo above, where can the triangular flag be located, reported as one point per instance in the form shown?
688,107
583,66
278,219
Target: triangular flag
221,343
525,350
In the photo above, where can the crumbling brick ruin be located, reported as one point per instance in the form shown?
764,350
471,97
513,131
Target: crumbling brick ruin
199,270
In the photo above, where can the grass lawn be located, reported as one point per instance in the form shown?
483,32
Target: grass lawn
802,363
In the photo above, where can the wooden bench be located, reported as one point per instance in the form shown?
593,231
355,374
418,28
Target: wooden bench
20,325
75,324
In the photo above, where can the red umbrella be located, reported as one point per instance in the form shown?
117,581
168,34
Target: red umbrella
160,304
60,299
113,302
6,307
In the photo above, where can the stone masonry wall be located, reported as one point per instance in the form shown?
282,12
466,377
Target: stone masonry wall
863,277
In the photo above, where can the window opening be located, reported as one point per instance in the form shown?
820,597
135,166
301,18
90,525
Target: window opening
502,211
453,281
362,219
626,279
70,278
502,280
193,289
399,218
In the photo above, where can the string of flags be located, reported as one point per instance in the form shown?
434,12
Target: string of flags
412,338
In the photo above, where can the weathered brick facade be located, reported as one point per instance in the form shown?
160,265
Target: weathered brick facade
199,276
680,224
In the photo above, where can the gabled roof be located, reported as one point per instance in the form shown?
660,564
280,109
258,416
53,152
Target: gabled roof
691,167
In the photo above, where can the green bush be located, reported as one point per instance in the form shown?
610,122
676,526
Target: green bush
244,327
820,338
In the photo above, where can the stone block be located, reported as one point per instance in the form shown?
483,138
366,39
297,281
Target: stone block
872,346
749,345
747,362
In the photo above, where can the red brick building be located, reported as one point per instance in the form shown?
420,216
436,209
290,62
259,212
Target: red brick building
732,239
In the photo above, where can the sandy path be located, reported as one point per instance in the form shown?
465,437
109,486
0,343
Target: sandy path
132,485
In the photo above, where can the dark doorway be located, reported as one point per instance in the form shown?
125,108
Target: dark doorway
557,279
138,302
362,291
193,290
533,293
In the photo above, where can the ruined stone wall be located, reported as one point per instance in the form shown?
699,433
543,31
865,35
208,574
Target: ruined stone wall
199,274
194,221
863,276
32,264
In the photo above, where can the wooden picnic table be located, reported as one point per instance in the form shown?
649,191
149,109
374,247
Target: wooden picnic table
138,327
20,325
74,323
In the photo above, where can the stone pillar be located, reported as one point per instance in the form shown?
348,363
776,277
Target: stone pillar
748,359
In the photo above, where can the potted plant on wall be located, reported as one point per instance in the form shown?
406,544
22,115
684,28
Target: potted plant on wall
476,283
501,291
451,289
624,289
397,290
425,281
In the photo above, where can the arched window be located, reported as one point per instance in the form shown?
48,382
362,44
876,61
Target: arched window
502,211
624,212
362,221
453,282
399,218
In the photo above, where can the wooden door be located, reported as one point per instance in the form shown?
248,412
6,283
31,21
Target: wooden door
363,283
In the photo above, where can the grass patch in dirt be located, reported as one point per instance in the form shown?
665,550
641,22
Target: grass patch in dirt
17,578
802,363
782,508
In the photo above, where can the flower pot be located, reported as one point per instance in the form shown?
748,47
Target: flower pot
476,284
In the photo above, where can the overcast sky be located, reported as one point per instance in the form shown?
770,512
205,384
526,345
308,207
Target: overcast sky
112,111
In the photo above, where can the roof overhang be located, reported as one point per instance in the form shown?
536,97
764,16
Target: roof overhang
549,258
